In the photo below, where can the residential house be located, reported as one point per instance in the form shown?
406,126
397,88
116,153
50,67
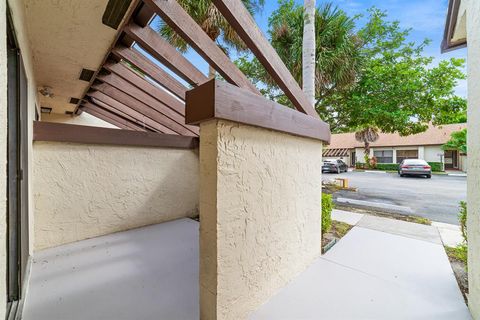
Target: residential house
462,28
393,148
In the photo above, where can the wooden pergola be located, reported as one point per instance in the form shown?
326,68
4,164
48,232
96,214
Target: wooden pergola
133,92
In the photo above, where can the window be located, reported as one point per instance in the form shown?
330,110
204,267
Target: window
406,154
384,156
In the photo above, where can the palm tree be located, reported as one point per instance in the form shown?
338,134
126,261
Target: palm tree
213,23
308,54
336,45
367,136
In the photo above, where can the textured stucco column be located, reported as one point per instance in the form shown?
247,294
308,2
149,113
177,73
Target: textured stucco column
260,214
473,140
3,156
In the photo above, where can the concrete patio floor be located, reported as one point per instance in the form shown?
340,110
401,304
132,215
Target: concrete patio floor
152,273
140,274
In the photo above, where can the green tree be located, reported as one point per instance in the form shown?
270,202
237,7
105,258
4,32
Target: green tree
458,141
373,78
397,89
212,22
336,50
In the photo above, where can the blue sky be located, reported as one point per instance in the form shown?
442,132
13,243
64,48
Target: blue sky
426,18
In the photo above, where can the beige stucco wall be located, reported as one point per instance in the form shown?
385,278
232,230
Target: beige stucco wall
473,141
84,119
431,153
82,191
3,157
260,214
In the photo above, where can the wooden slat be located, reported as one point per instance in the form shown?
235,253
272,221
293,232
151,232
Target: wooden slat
131,125
61,132
220,100
175,121
149,88
110,118
127,110
151,69
141,107
160,49
99,104
144,15
179,20
241,20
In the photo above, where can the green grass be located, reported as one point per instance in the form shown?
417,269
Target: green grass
419,220
339,229
459,253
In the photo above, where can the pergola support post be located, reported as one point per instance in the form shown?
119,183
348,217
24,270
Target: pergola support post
260,189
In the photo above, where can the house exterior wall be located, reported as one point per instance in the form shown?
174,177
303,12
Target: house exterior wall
427,153
84,119
83,191
3,157
260,214
473,147
432,154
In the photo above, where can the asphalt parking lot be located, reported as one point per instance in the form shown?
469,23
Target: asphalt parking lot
436,199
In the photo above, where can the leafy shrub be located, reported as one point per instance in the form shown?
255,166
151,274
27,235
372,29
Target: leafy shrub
360,165
436,166
462,218
327,207
373,163
387,166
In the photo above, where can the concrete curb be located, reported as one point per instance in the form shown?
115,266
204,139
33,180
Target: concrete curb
457,174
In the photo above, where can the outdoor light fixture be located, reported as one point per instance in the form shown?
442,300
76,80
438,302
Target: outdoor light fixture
114,12
45,110
46,92
86,75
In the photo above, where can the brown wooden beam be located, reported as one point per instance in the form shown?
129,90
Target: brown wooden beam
61,132
220,100
101,97
241,20
144,15
100,104
132,125
160,49
151,69
171,127
110,118
180,21
123,71
175,121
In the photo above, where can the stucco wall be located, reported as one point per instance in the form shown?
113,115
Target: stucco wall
432,153
473,140
3,156
259,213
82,191
84,119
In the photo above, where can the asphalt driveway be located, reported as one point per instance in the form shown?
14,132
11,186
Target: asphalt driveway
436,199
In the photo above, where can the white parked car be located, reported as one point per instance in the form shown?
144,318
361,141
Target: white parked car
415,167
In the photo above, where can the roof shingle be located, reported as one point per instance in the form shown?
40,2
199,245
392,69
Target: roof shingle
433,136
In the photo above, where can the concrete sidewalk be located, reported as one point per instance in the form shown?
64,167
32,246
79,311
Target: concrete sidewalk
382,269
450,234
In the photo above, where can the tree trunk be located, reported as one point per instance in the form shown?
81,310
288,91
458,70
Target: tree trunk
308,53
